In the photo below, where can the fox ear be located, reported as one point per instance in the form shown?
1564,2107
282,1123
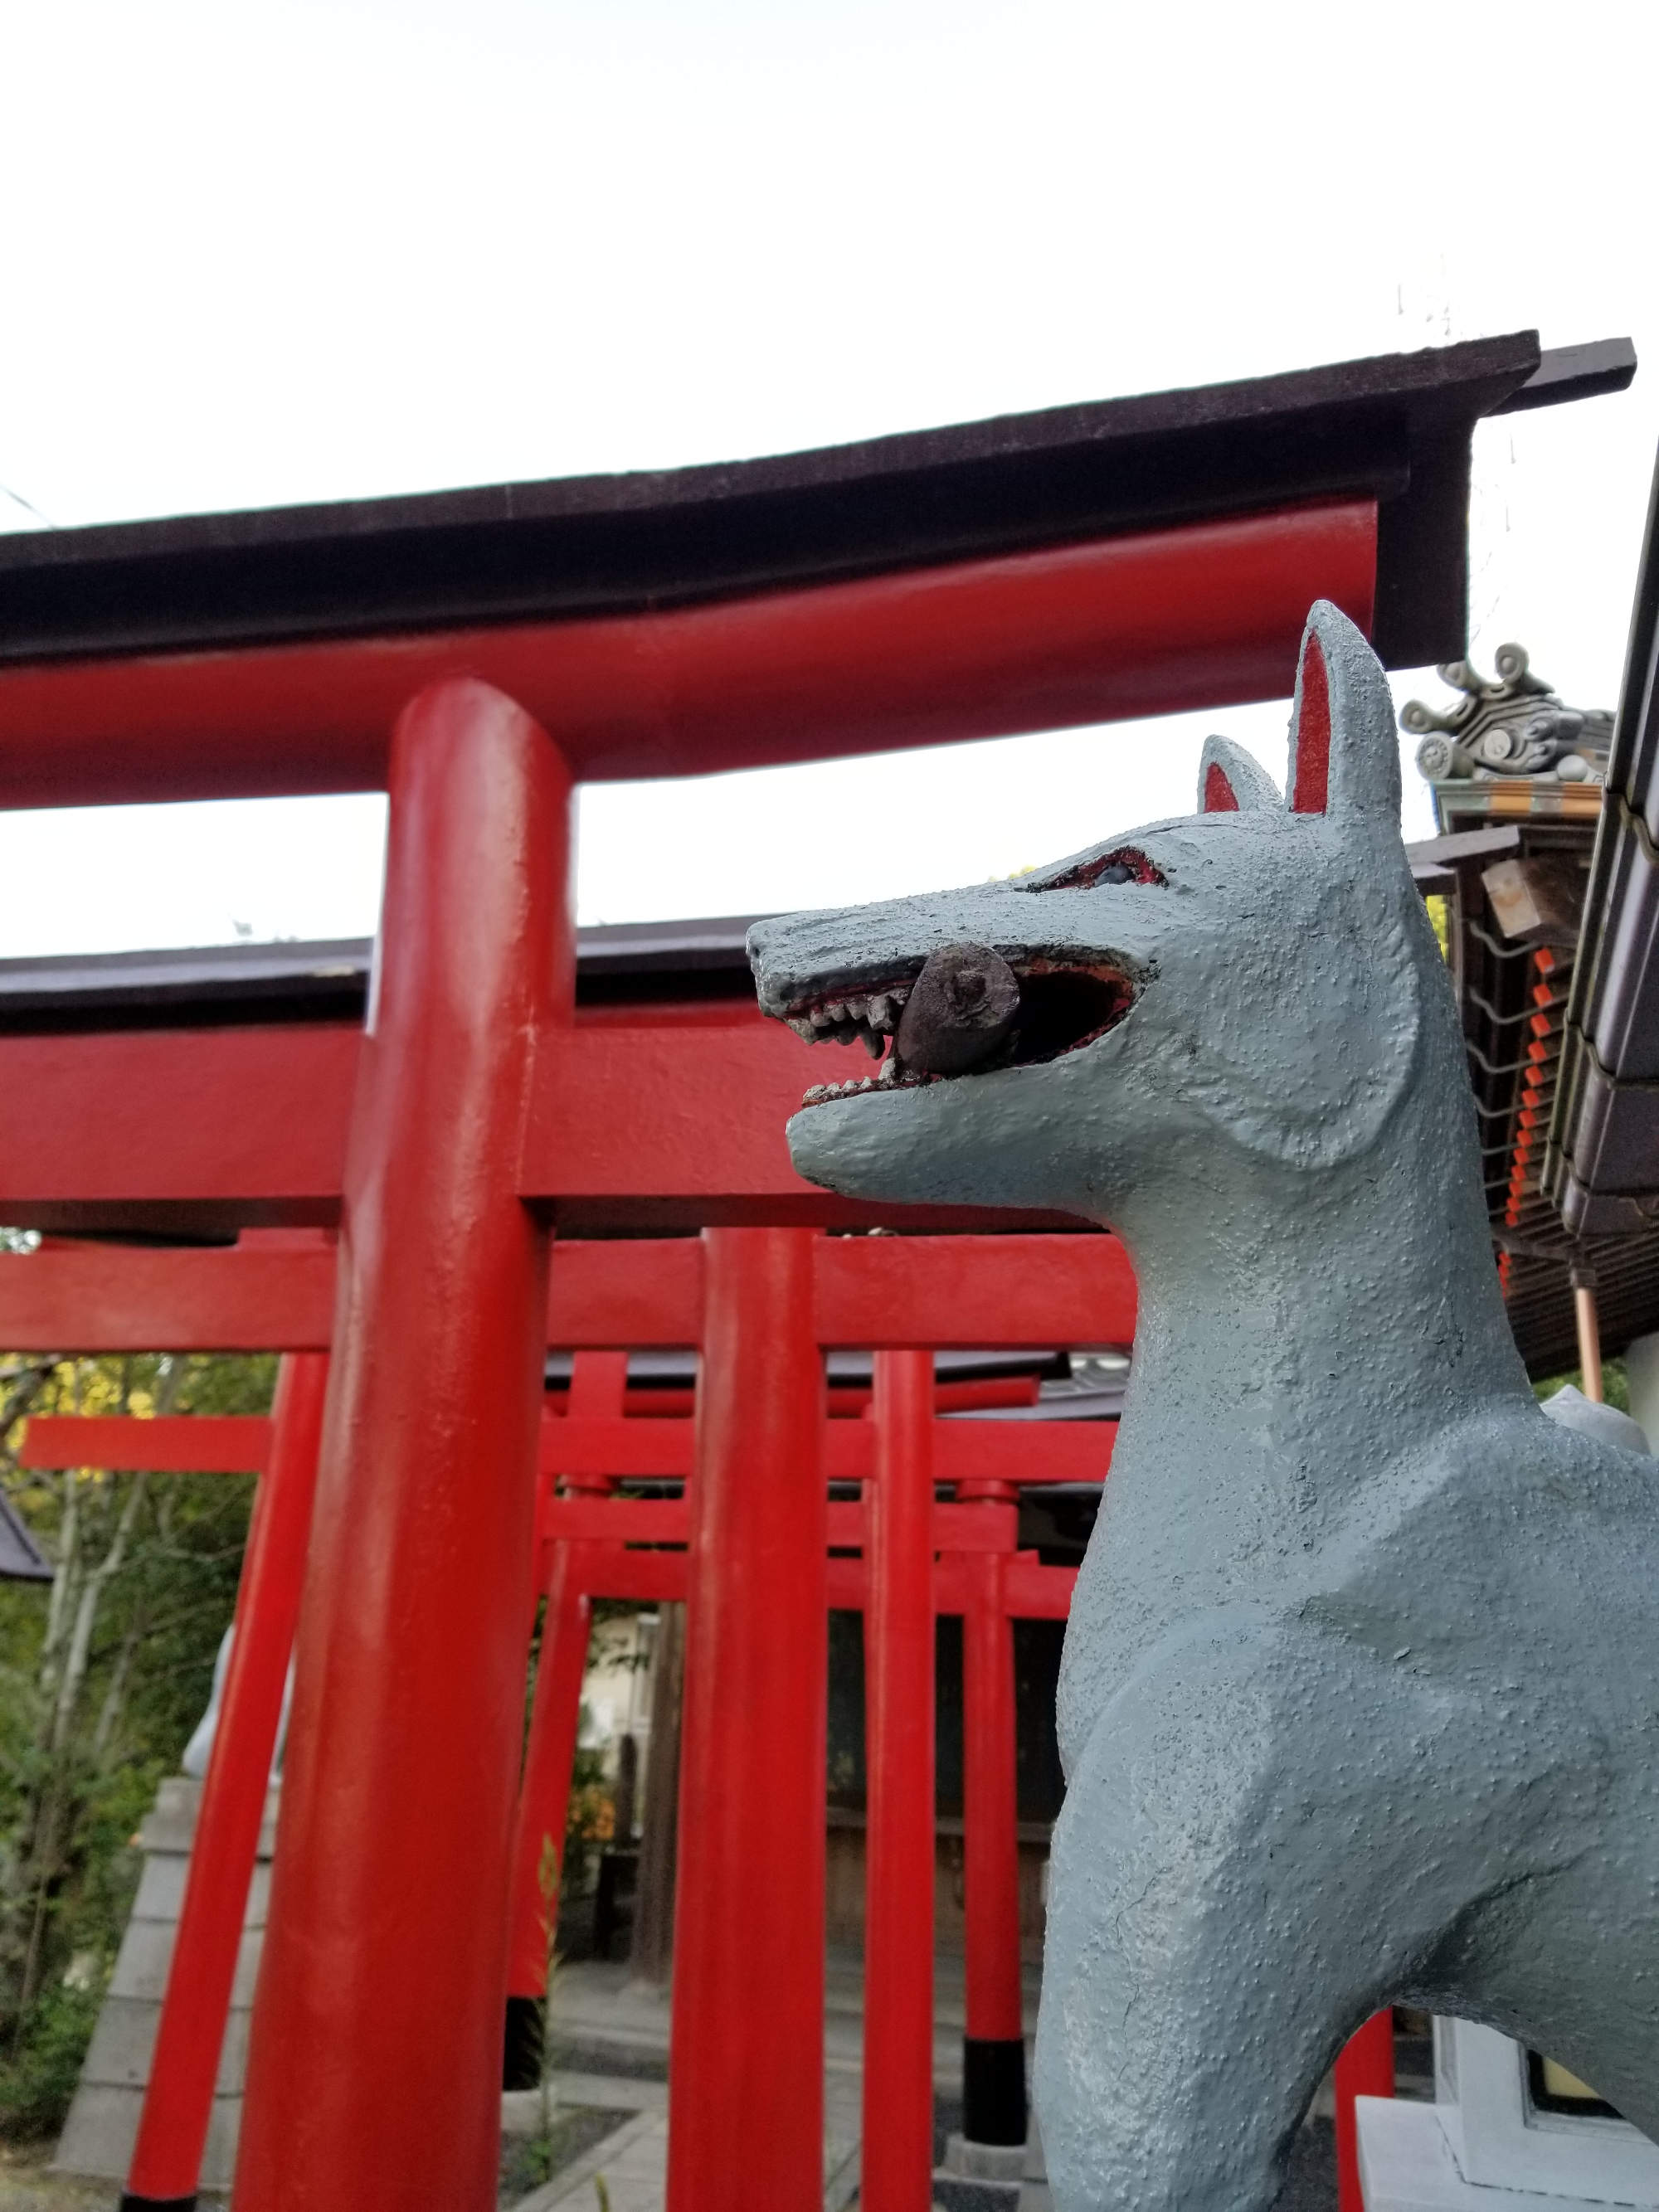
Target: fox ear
1232,782
1345,755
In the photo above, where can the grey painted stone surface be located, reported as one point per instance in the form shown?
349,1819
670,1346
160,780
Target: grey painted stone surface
103,2120
1361,1692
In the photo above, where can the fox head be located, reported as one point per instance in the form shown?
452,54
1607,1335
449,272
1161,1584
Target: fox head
1246,984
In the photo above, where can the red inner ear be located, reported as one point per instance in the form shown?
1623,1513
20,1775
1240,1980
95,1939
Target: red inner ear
1313,736
1219,797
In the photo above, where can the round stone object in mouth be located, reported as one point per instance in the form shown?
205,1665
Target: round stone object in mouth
960,1010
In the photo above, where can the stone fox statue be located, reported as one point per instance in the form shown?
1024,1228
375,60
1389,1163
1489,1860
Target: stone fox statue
1360,1698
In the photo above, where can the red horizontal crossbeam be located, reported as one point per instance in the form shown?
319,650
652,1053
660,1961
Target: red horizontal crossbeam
105,1298
668,1521
229,1443
846,1402
171,1443
658,1125
1150,623
963,1451
612,1527
876,1292
1031,1591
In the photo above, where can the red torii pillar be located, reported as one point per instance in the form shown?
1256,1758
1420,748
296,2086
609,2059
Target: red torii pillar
897,2146
375,2068
599,1386
993,2048
836,1317
167,2159
1365,2068
746,2068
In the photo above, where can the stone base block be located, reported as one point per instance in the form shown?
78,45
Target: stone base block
977,2177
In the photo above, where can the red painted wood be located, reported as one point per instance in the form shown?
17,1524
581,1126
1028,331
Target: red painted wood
1364,2068
845,1403
640,1292
173,1443
1030,1590
598,1390
550,1758
236,1125
1014,1290
204,1130
101,1297
167,2159
621,1136
374,2067
968,1450
746,2078
670,1521
973,1291
647,1577
1203,615
578,1448
990,1806
897,2144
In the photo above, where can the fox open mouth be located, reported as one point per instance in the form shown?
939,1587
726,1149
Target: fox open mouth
964,1010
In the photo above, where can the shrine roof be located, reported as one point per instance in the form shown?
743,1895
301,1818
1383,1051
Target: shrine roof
1395,427
22,1559
327,979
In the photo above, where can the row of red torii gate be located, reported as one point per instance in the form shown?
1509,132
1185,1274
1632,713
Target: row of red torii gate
476,655
752,1796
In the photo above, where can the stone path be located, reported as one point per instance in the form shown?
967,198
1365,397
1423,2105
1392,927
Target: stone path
611,2035
615,2035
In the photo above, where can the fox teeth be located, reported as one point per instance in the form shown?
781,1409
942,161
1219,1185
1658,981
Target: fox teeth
820,1094
841,1020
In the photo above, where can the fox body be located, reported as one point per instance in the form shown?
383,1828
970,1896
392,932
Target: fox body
1360,1698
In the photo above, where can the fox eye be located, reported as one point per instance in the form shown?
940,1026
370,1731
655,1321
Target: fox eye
1125,865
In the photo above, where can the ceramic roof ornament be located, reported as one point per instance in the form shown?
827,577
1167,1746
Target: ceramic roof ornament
1361,1691
1516,726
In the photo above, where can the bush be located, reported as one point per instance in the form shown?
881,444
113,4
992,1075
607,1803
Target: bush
38,2075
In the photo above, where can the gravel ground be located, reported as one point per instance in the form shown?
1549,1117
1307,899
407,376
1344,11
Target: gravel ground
575,2129
1312,2184
27,2186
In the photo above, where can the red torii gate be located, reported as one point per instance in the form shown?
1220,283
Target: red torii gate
475,1112
986,1460
976,1291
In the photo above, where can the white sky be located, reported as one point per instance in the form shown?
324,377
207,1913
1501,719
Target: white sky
253,254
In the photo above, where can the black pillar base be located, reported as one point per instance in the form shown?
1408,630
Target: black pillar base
131,2203
521,2056
992,2089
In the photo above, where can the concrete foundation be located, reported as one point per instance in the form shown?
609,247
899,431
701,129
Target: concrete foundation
1484,2145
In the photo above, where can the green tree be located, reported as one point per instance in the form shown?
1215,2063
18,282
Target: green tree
103,1674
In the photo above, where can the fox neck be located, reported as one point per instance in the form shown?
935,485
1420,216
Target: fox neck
1301,1338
